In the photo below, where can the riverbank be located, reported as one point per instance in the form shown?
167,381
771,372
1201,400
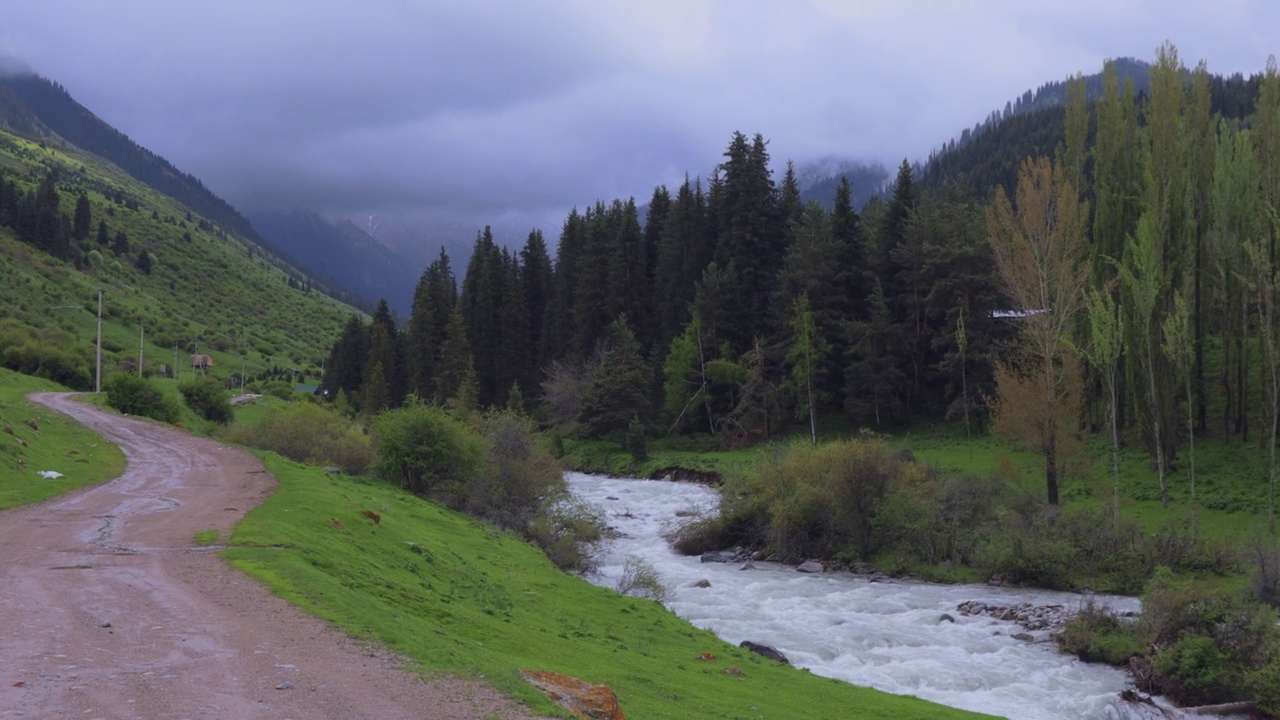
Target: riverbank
459,597
895,635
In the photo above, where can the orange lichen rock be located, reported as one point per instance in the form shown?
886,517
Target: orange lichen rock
375,517
584,700
733,670
336,523
707,656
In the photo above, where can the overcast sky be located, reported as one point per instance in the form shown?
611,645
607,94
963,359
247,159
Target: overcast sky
485,111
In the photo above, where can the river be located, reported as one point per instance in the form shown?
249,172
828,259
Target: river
890,635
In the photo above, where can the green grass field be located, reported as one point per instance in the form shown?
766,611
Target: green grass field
54,443
459,597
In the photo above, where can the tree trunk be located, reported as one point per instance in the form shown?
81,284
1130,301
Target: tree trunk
1051,468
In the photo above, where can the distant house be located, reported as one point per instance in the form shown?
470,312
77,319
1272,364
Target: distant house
201,362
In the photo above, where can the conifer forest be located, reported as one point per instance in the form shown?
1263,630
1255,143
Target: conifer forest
1110,270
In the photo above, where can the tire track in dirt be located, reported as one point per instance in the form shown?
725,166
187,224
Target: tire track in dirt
107,611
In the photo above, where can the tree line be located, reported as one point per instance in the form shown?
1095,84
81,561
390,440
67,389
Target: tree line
735,309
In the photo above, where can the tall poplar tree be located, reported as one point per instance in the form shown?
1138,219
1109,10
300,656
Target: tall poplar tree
1040,252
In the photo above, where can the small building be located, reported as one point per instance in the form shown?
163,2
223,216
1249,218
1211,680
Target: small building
201,362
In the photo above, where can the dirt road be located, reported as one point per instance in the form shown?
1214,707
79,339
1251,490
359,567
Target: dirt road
108,611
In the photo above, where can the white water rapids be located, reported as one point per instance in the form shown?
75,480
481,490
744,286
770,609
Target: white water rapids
886,635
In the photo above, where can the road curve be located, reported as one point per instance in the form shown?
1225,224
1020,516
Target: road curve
108,611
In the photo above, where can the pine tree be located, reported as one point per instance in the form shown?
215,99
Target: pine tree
120,245
684,249
83,219
628,275
557,333
434,299
812,269
344,370
384,349
515,365
457,376
750,240
621,390
846,232
537,282
646,317
873,377
46,228
481,304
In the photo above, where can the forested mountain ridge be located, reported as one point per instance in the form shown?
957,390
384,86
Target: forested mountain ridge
987,155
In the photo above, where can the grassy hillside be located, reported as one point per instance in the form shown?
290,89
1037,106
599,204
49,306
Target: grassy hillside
33,438
457,596
207,291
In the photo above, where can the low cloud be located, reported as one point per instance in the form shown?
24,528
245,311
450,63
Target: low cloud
519,110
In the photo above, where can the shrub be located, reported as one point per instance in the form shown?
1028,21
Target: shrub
279,389
640,579
821,500
207,398
423,449
309,433
1032,555
1193,670
569,532
1264,554
133,395
518,478
45,353
1097,634
1208,648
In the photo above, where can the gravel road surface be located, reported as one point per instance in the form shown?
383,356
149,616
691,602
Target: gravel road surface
107,610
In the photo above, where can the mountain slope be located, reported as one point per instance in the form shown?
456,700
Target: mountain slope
41,109
343,253
199,288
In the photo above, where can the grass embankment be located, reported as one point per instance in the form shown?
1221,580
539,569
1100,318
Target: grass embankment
458,597
35,438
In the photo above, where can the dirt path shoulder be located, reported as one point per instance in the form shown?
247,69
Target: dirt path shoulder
108,611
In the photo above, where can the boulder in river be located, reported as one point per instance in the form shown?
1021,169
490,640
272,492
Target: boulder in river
732,555
810,566
765,651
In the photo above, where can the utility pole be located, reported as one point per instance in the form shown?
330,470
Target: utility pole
141,335
175,361
98,383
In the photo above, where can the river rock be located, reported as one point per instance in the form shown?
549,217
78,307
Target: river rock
732,555
765,651
810,566
1031,617
595,702
703,583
